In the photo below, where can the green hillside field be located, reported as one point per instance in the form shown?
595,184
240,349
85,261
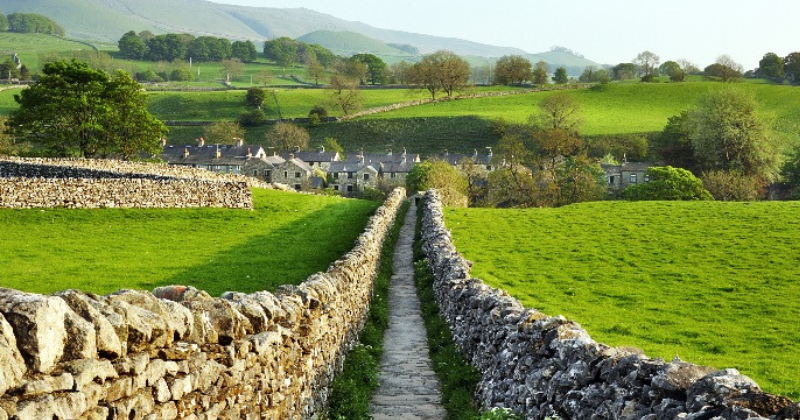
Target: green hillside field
29,47
284,240
714,283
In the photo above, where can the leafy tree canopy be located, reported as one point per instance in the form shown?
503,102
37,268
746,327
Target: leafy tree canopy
668,183
32,23
442,176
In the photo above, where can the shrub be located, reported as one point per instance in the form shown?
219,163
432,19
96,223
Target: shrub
181,75
732,186
148,76
668,183
254,118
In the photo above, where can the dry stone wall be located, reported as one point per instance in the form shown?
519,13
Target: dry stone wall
178,353
85,183
541,366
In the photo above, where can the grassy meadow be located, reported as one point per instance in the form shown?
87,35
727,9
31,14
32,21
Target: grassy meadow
29,47
714,283
285,239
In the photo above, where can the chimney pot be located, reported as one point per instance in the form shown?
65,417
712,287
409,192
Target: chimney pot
201,142
239,142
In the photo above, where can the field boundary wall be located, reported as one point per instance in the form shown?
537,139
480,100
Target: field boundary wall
540,366
178,353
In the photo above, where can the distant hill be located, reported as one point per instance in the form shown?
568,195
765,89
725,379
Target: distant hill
349,43
107,20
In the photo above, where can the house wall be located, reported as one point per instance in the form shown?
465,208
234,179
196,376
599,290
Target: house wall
178,353
539,366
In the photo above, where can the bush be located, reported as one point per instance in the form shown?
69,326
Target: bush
148,76
668,183
317,114
254,118
181,75
732,186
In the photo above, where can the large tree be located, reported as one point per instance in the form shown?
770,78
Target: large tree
223,132
345,94
283,51
3,23
725,69
540,73
623,71
668,183
441,71
791,67
513,70
244,50
771,67
440,175
376,68
73,109
560,77
729,134
132,46
285,137
647,63
559,111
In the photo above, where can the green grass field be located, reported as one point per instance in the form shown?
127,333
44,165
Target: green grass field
29,46
714,283
285,239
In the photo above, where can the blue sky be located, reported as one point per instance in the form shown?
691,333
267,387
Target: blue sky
606,31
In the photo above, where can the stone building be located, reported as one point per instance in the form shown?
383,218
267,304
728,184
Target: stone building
296,174
240,159
626,174
316,159
351,177
484,162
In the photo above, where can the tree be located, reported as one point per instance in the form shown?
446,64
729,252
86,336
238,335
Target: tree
561,76
725,68
345,94
791,67
771,67
73,109
8,70
732,186
244,51
376,68
6,139
315,71
513,70
729,134
668,183
283,51
264,77
285,137
624,71
331,145
540,73
674,145
668,68
592,74
442,176
646,63
559,111
3,23
223,132
209,48
233,68
132,46
441,71
33,23
255,97
400,72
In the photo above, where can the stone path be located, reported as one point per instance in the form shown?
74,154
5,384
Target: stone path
409,388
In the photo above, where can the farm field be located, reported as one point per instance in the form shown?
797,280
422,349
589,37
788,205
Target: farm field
29,46
714,283
284,240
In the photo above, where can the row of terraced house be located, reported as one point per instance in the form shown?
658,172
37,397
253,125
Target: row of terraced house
348,175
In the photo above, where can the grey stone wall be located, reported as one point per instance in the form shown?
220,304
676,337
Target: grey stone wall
85,183
540,366
178,353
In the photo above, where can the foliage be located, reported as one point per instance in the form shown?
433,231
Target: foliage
282,51
376,68
233,68
512,70
732,186
592,74
331,145
353,387
8,70
208,48
624,71
791,67
344,93
285,136
74,109
633,147
244,51
725,69
559,111
540,73
32,23
771,67
728,133
458,379
674,144
253,118
101,251
498,413
442,176
668,183
646,63
223,132
560,77
255,97
790,170
710,282
132,46
167,47
3,23
441,71
182,74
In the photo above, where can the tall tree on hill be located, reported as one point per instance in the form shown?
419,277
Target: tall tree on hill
559,111
441,71
513,70
624,71
3,23
169,47
647,63
244,50
73,109
771,67
541,73
791,67
132,46
285,137
283,51
32,23
209,48
376,68
345,94
725,68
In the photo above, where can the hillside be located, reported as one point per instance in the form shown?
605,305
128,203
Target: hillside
349,43
710,282
107,20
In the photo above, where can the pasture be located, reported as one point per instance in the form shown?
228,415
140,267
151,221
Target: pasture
29,47
711,282
285,239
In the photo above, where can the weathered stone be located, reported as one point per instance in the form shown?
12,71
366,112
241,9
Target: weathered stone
216,321
86,371
47,385
69,405
161,391
39,326
145,329
107,341
12,365
118,389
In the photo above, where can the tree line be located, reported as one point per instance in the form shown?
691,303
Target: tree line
171,47
30,23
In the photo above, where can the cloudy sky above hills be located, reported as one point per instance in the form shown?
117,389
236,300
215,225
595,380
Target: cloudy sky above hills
608,31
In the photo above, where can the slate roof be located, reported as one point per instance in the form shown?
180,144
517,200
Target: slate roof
207,155
456,158
344,167
382,157
397,167
311,156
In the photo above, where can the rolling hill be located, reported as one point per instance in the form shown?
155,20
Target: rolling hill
106,20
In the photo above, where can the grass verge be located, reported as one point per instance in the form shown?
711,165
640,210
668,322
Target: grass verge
352,390
458,379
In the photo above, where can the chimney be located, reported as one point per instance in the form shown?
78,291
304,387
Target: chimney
219,152
291,156
185,152
239,142
490,151
476,152
446,152
249,153
201,142
297,149
390,152
163,142
322,149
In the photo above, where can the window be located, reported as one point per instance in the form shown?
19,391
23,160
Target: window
611,180
349,188
267,173
255,172
336,188
349,175
286,174
366,177
297,174
297,187
647,178
488,167
391,175
336,175
634,179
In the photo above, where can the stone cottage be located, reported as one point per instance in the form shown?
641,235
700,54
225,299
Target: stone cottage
626,174
240,158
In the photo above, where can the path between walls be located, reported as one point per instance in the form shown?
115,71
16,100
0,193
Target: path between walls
409,389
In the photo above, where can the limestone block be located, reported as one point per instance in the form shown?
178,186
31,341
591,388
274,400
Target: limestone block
167,321
120,388
250,308
47,385
145,329
85,305
216,321
161,391
97,413
87,371
39,326
12,365
69,405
